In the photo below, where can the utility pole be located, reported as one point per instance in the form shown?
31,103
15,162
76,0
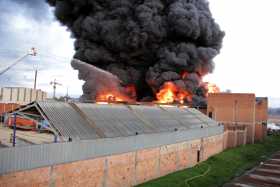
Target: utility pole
35,79
54,84
32,52
36,70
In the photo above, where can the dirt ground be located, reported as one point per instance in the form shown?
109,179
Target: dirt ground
23,137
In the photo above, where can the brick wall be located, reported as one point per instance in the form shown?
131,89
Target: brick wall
239,109
261,118
234,135
6,107
121,170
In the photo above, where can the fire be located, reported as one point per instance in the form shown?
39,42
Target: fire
128,94
167,93
108,97
212,88
170,93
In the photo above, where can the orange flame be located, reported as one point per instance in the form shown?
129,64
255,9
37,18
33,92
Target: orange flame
128,94
108,97
212,88
170,93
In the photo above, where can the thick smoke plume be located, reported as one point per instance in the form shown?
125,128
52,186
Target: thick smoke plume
99,82
145,42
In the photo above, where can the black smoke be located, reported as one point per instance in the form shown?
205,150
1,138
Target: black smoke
145,42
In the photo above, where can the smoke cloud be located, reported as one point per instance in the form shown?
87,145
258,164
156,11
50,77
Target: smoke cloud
144,42
99,82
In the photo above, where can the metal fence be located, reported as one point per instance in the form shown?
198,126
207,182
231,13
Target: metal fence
35,156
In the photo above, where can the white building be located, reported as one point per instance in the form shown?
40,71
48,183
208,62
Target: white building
21,95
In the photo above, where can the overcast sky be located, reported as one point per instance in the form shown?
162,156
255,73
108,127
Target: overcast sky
248,61
30,23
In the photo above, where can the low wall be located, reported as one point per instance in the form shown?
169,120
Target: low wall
260,131
235,135
6,107
119,170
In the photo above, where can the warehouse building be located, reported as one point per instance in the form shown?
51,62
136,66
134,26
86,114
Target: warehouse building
110,144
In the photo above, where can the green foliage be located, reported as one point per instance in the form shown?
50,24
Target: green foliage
224,166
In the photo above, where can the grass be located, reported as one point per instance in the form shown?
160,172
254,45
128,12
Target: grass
223,167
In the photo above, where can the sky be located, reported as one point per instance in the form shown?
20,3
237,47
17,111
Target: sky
30,23
248,61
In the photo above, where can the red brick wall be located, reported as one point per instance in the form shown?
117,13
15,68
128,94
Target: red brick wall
262,110
234,108
235,135
36,177
81,173
121,170
229,107
261,118
261,131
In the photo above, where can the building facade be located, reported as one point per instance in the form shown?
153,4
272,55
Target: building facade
238,113
21,95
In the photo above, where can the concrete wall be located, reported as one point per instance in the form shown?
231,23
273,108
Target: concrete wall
119,170
21,95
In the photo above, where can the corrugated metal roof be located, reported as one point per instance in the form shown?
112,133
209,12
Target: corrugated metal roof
93,121
115,120
67,121
159,118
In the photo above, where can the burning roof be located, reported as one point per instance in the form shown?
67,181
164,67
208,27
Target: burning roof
152,48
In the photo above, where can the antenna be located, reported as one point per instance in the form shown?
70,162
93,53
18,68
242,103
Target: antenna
54,84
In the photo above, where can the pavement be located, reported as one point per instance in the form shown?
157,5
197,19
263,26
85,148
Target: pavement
267,174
